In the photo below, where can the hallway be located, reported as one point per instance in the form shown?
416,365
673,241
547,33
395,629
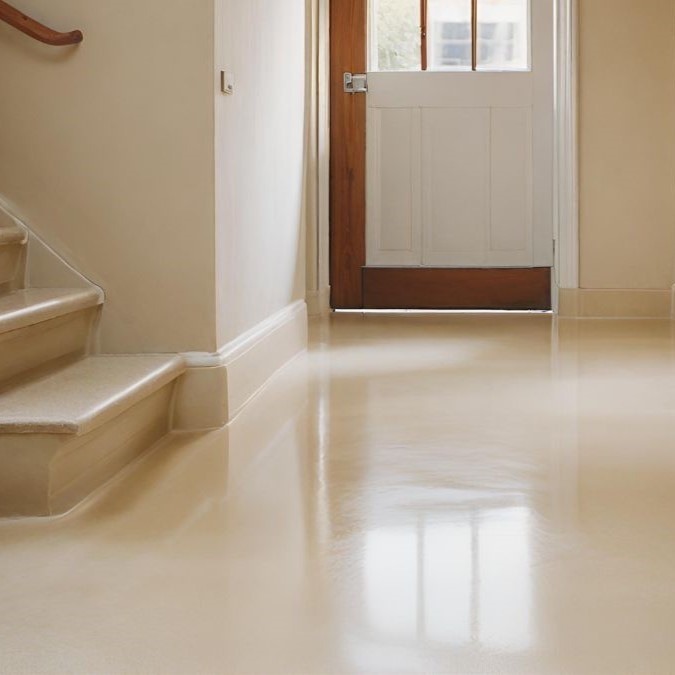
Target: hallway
430,493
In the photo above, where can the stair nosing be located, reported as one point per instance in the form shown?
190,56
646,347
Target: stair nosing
165,373
70,300
13,235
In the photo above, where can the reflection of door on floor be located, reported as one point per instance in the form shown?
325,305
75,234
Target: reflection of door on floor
441,172
460,584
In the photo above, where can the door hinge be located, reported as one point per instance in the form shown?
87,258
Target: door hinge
355,84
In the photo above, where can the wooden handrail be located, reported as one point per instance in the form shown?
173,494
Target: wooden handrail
35,29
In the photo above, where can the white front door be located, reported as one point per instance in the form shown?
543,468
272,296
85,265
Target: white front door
460,156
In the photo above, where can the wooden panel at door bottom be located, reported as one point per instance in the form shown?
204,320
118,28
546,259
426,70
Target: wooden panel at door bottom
453,288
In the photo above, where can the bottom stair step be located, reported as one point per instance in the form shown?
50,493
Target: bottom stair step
65,433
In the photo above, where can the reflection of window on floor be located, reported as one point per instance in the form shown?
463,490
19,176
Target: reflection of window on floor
452,583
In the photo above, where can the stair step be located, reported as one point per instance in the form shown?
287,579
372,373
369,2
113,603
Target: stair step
84,395
12,234
39,326
27,307
65,433
12,241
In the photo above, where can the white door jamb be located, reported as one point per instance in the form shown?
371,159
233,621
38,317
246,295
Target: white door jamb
566,188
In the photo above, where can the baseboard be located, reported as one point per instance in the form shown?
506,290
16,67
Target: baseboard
280,404
318,302
614,303
217,386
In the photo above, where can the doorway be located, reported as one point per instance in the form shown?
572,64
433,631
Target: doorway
442,154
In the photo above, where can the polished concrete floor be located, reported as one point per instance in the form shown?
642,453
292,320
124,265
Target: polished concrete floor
419,494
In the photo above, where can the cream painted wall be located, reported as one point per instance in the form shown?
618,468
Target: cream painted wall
627,143
318,157
107,151
260,150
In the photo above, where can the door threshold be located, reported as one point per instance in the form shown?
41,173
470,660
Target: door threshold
443,311
505,288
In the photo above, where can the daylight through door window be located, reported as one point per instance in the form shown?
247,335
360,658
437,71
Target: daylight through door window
449,35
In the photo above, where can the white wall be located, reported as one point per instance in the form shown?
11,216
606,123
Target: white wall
260,149
106,149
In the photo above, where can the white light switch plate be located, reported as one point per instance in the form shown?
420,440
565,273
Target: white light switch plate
226,82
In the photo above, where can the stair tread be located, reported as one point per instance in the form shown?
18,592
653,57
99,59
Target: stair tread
26,307
80,397
10,233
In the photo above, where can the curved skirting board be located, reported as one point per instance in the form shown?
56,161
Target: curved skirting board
217,386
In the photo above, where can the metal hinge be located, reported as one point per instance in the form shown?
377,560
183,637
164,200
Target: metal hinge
355,84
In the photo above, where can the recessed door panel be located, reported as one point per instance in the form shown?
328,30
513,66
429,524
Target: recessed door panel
511,185
394,233
451,186
456,185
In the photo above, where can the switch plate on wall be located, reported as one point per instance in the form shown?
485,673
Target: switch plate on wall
226,82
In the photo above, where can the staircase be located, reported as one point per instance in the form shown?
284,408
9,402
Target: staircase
70,418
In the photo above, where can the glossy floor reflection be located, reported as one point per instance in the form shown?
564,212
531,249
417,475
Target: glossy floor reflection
420,494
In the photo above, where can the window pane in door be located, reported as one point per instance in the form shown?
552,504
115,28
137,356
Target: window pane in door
503,35
449,34
395,42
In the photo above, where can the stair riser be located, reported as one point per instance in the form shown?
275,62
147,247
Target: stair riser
11,264
48,474
28,348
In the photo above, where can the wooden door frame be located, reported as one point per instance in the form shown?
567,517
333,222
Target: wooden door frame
348,53
338,195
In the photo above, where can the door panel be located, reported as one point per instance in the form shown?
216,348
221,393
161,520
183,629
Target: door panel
511,185
394,234
449,90
476,167
456,177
